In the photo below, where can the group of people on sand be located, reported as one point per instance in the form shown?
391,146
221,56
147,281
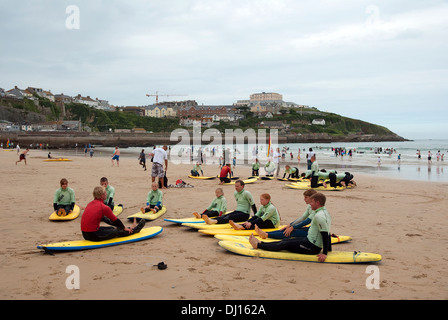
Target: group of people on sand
296,237
101,210
314,174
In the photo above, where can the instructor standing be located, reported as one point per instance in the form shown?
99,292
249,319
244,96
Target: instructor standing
159,157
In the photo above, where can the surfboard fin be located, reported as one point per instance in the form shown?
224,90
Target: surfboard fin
46,251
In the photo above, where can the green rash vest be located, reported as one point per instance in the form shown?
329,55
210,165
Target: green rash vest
269,212
256,166
290,170
315,168
320,223
64,197
218,204
244,201
340,176
110,193
269,167
322,175
308,214
154,197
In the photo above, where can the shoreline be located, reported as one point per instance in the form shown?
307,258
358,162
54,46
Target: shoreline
405,170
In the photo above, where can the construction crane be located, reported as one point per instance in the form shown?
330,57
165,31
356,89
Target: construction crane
157,95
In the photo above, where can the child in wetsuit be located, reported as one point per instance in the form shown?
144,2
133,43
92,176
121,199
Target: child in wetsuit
64,199
154,199
217,208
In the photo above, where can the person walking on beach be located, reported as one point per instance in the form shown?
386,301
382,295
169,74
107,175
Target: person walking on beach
142,159
159,157
309,154
429,157
23,156
116,156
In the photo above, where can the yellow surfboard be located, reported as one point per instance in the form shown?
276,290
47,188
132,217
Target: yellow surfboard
148,216
245,239
185,220
247,181
57,160
201,177
189,220
144,234
70,216
117,210
246,249
204,226
234,232
306,186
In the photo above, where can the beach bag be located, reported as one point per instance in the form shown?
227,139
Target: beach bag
165,181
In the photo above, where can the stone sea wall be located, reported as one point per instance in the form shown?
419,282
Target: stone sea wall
123,140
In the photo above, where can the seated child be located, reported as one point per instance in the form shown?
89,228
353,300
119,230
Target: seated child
195,172
267,216
64,199
217,208
154,199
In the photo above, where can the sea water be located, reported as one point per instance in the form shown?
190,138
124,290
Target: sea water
366,157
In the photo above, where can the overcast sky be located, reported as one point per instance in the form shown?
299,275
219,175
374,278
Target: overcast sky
384,62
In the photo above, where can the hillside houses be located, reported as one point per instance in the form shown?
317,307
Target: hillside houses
264,105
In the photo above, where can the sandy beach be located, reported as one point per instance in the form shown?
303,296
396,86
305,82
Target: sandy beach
404,221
